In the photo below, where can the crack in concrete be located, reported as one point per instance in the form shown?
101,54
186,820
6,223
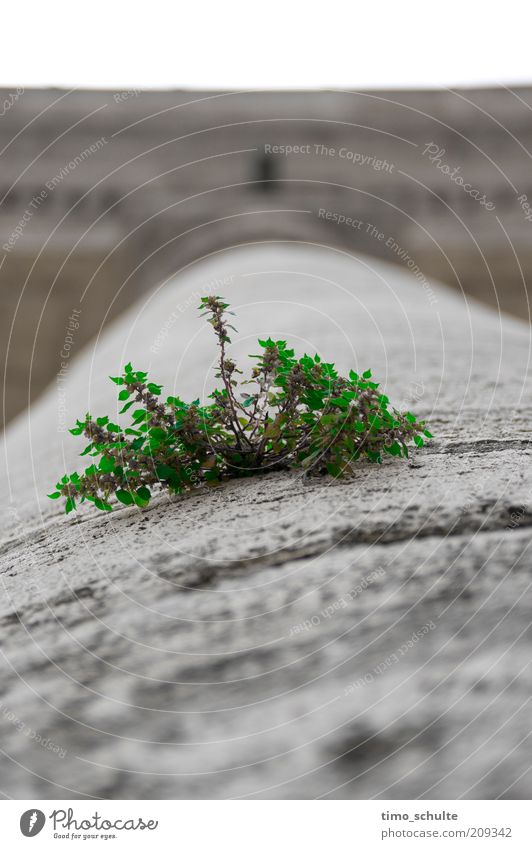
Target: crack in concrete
479,446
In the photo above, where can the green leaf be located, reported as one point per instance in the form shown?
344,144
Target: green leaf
142,496
141,416
124,496
165,473
118,380
123,395
126,407
102,505
70,505
394,449
367,374
313,399
55,495
107,464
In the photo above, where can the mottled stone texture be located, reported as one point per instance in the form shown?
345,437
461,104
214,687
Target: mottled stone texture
282,637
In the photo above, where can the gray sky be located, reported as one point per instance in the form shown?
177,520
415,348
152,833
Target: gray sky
247,44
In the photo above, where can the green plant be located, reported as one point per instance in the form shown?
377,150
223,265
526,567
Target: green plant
294,413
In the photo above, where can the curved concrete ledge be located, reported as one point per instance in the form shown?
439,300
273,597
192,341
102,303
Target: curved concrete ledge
277,637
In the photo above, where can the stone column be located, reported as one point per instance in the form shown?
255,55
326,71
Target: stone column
281,637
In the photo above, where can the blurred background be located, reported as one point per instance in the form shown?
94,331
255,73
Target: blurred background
131,151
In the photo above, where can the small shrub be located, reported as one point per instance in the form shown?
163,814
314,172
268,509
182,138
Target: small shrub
296,413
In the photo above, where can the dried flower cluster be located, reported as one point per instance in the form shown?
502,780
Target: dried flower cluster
294,413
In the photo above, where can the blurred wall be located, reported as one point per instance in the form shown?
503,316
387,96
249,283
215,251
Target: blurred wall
103,194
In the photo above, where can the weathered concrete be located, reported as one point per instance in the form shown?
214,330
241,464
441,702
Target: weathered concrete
249,640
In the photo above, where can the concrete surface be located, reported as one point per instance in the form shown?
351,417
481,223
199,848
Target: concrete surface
279,637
